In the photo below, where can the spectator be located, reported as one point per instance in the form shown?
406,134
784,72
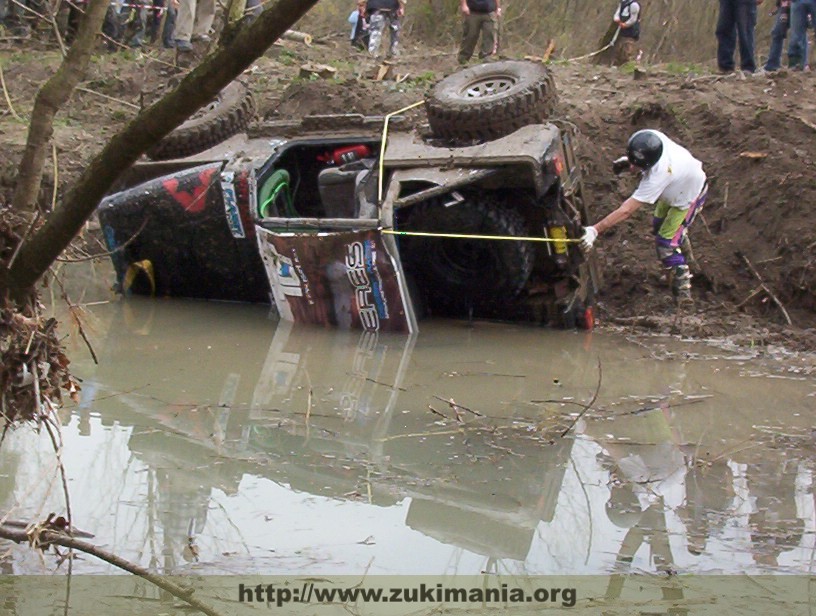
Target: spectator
193,23
359,30
155,22
779,33
136,16
15,18
674,182
627,16
736,22
382,14
252,10
479,17
801,12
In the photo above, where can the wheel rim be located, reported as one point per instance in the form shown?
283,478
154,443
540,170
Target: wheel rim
488,86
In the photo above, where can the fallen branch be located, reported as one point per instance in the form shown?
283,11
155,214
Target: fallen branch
8,98
454,406
301,37
751,295
591,402
43,538
766,289
110,98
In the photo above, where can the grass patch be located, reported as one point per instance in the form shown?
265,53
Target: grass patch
683,68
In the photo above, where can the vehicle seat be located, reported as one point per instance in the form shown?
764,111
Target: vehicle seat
365,192
336,186
275,196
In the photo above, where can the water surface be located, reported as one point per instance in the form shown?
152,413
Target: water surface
212,439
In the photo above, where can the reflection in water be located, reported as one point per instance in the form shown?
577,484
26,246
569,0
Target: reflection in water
208,438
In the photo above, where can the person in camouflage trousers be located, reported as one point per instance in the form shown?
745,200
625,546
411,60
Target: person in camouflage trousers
382,14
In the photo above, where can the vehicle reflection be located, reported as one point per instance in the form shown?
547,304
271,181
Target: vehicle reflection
352,417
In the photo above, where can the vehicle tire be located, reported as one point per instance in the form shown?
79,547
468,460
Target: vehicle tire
487,101
454,274
228,114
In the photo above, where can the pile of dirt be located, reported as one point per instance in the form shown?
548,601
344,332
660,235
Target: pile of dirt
755,278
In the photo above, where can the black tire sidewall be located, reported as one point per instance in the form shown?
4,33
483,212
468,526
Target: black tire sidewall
231,113
529,99
455,271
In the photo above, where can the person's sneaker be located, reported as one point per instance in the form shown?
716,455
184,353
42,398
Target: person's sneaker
183,46
200,38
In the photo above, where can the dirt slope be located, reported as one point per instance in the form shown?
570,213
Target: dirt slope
756,137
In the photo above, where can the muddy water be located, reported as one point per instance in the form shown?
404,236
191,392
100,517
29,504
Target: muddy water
209,438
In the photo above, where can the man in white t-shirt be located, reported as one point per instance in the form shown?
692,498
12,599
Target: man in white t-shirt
674,182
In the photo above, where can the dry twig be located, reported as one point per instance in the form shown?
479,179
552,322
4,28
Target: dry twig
766,288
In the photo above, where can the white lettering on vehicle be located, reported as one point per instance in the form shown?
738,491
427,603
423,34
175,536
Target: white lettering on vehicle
365,294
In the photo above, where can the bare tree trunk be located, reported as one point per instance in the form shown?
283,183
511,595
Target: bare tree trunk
195,90
50,99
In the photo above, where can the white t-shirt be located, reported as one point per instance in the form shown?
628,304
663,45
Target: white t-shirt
677,178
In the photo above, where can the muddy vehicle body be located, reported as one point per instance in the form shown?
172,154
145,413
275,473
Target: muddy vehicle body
356,223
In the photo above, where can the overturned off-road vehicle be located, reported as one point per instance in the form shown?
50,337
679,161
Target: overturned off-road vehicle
356,223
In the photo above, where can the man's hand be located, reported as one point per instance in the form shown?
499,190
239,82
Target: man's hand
588,239
619,165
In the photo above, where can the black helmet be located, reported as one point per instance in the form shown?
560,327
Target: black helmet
644,149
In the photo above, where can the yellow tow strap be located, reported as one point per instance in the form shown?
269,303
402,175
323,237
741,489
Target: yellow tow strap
133,270
382,146
481,237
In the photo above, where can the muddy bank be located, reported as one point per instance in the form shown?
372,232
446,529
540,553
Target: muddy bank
755,279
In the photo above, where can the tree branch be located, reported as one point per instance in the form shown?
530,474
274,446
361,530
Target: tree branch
39,537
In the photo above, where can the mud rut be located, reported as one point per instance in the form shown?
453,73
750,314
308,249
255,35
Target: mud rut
756,136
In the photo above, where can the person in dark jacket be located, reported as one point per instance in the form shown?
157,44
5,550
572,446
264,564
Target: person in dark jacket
736,22
479,17
382,14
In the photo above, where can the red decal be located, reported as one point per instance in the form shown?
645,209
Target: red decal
192,200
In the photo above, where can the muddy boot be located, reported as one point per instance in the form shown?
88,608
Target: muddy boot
680,277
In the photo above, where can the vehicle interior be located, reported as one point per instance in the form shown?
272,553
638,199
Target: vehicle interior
319,179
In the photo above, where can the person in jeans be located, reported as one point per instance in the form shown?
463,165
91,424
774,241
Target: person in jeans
167,26
479,17
801,11
779,33
382,14
736,22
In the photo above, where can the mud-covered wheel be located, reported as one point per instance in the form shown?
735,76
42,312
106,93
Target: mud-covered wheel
491,100
455,274
228,114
